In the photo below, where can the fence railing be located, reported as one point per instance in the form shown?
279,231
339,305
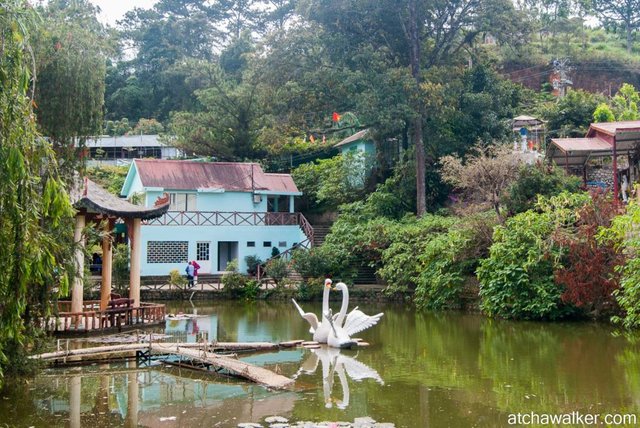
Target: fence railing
232,218
92,318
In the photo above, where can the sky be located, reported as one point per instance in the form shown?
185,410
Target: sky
114,10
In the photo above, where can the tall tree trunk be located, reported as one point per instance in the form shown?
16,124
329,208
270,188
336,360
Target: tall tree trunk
414,43
629,36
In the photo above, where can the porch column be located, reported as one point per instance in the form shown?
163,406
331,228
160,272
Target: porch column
134,272
78,281
107,263
292,206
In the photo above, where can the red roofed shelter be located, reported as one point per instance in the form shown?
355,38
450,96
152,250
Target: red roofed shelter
95,204
607,139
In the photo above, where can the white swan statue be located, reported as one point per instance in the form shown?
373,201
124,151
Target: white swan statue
319,329
342,328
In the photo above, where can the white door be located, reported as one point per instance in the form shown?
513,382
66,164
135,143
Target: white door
203,256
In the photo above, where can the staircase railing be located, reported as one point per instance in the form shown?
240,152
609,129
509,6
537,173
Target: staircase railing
286,254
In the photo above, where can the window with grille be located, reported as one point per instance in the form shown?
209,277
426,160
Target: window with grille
202,251
167,251
266,243
251,243
282,244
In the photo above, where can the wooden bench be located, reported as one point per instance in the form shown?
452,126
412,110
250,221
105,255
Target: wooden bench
118,313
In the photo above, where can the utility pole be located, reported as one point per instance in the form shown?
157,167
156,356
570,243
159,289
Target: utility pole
561,69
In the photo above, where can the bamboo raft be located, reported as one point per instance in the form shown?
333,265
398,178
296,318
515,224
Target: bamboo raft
199,352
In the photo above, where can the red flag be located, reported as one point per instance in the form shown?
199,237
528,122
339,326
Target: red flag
336,117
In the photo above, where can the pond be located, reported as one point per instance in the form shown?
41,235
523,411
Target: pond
422,369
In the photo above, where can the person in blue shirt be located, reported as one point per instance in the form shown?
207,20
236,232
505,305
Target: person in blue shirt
190,270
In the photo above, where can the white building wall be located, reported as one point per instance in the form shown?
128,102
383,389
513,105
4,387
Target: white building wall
282,237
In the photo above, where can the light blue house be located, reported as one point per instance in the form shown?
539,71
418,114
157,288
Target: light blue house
358,142
219,212
363,150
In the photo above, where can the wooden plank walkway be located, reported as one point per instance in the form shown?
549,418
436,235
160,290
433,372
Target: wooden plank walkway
256,374
201,352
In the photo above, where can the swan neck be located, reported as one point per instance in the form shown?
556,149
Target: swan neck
345,305
325,301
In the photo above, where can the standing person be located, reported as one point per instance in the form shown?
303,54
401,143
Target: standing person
190,270
196,266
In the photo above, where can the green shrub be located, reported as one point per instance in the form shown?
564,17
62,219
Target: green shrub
176,278
311,289
277,269
251,289
536,180
401,266
234,282
517,279
624,230
252,261
315,262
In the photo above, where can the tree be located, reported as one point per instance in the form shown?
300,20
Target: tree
485,175
227,125
36,218
148,127
625,103
603,113
572,114
70,51
620,13
420,35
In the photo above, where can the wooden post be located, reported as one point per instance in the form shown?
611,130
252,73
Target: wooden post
78,282
615,171
134,273
107,263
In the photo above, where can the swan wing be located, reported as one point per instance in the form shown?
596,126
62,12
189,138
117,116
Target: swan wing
298,307
357,321
357,370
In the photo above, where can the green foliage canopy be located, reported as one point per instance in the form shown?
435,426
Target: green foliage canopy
36,218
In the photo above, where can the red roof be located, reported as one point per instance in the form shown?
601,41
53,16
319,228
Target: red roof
230,176
611,128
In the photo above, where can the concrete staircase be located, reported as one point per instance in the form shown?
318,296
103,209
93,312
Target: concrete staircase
320,231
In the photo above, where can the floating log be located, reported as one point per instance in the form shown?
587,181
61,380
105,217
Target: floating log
291,343
309,342
248,371
95,350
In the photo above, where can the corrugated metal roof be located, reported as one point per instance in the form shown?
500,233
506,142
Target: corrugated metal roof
230,176
126,141
612,128
355,137
581,144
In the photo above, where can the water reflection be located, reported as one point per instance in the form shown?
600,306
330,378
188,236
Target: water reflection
334,362
449,369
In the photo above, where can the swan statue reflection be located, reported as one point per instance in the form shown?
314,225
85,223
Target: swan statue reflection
333,362
343,325
319,329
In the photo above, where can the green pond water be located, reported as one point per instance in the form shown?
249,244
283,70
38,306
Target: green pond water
421,370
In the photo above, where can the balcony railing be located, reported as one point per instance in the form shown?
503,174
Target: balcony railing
232,218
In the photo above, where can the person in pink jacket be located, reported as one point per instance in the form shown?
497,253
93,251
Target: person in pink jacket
196,266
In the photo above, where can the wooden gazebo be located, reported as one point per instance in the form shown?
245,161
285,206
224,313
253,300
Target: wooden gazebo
95,205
